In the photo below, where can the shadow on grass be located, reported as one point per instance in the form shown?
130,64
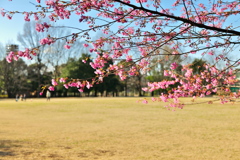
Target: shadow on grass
7,147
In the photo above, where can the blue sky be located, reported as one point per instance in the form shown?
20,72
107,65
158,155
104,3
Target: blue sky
10,28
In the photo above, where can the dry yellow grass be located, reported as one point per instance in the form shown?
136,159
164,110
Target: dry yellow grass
117,129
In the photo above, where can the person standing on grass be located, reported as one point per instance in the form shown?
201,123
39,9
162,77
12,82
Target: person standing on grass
24,97
48,95
16,97
21,97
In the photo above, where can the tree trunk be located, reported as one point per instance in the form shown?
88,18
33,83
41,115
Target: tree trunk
152,93
95,92
39,67
126,88
139,86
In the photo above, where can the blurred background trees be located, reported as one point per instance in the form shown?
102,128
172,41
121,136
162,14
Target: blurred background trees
52,62
20,77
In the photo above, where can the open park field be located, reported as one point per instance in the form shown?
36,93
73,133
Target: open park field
117,129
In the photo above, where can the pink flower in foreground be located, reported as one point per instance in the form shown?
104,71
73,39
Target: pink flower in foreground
211,53
54,83
145,89
129,58
40,27
188,73
66,86
154,99
173,66
15,57
9,17
67,46
3,13
20,53
46,41
36,18
163,98
80,90
62,80
51,88
192,52
26,18
9,59
145,101
85,45
88,85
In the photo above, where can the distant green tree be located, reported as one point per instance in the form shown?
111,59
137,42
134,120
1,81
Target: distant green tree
46,55
2,54
112,84
76,69
13,77
35,82
132,83
162,61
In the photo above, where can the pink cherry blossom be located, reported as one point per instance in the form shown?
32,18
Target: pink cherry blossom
85,45
62,80
173,66
54,83
66,86
145,101
51,88
67,46
46,41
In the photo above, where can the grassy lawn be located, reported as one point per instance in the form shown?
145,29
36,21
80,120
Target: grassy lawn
117,129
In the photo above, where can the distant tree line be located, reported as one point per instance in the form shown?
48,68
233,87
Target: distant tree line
20,77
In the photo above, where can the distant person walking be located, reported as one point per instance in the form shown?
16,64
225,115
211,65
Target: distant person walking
21,97
24,97
48,95
16,97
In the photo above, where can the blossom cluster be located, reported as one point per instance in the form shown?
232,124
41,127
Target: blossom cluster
194,85
16,55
